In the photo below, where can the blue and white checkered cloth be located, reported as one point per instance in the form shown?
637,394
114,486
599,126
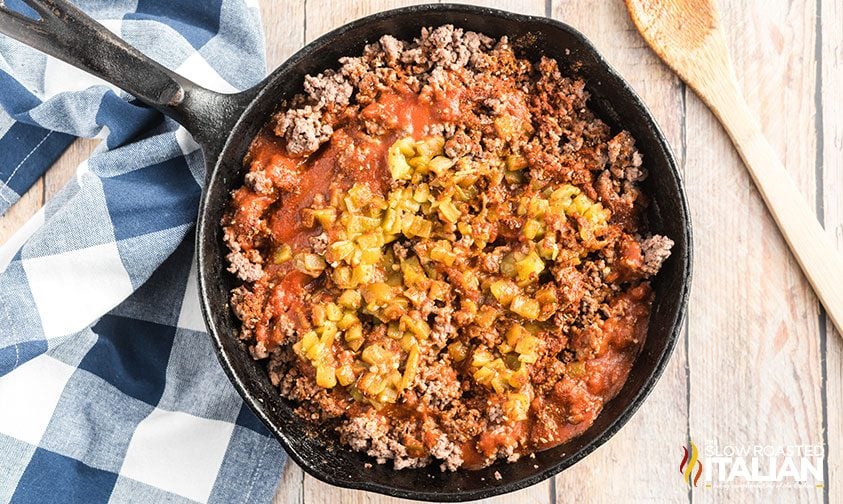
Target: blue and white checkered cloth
109,387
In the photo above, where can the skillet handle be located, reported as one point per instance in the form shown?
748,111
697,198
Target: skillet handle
67,33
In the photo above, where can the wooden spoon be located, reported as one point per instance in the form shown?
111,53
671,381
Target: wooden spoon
686,35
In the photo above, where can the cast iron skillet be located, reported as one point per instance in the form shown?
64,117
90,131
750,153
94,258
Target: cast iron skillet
225,125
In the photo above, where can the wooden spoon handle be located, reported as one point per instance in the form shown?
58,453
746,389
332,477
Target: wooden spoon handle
808,241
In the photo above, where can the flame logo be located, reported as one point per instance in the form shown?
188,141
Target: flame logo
686,467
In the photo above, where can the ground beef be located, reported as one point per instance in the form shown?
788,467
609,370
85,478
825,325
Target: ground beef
319,243
372,434
258,182
656,249
392,49
303,129
449,47
496,414
241,266
259,351
624,160
458,145
448,452
442,324
500,330
328,89
438,385
247,306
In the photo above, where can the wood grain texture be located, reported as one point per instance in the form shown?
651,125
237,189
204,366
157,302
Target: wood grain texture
22,210
754,338
322,16
283,29
754,351
647,450
686,35
46,187
830,185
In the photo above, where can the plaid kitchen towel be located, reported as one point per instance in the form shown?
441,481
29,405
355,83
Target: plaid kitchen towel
109,387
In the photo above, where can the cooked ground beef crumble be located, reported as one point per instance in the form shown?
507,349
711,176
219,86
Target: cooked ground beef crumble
443,252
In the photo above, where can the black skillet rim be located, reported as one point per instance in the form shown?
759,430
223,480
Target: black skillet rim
493,489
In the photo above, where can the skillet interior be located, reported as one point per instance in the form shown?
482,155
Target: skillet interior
612,100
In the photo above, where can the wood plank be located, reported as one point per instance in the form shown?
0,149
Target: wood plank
831,169
529,7
768,391
52,181
282,41
291,486
283,30
21,211
322,16
325,15
65,167
754,338
543,492
648,449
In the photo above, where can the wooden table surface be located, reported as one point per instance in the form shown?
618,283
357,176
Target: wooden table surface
758,362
